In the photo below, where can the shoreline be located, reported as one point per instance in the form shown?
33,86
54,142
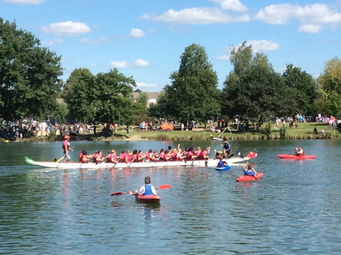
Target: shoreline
301,132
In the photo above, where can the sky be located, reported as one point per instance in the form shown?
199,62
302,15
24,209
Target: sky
145,39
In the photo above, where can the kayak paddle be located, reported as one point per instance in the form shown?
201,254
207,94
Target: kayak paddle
164,186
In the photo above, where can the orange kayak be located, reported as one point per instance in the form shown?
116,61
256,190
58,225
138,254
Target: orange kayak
248,178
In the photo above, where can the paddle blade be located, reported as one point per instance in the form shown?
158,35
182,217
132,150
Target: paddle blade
60,159
164,186
117,193
252,155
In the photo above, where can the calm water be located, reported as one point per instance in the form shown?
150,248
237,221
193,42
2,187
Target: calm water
295,209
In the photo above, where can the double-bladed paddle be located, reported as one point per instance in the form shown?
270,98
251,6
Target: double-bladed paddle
164,186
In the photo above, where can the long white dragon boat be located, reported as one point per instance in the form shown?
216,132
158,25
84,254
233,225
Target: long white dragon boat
73,165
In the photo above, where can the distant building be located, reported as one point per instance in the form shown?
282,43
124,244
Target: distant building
152,97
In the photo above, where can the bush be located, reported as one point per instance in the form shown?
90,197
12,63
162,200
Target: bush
268,130
282,132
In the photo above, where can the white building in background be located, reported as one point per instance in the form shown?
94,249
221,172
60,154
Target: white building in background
152,97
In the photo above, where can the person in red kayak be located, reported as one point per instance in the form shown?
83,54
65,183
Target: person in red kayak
146,189
248,169
299,151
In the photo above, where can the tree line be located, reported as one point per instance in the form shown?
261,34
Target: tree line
30,83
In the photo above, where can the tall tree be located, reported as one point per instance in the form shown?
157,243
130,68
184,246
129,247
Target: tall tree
29,74
329,86
114,97
80,94
304,89
193,92
253,89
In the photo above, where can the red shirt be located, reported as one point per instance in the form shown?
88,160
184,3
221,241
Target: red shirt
148,155
175,156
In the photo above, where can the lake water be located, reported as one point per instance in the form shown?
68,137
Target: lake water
294,209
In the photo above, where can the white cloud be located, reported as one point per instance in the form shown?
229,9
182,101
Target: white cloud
141,63
262,45
223,57
126,64
52,42
120,64
233,5
28,2
311,16
88,41
146,85
136,33
196,16
310,28
67,28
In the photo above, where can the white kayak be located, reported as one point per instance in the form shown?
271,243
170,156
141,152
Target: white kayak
90,165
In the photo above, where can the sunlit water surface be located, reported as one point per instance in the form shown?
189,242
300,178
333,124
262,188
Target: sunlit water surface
294,209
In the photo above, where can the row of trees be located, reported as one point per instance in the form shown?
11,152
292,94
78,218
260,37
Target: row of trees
30,84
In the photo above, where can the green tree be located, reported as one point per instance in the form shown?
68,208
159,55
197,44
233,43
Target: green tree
114,97
28,74
139,108
81,95
193,92
329,87
253,89
304,89
61,112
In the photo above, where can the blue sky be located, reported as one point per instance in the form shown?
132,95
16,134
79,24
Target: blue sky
145,38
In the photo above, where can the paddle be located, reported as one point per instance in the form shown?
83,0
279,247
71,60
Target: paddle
164,186
57,161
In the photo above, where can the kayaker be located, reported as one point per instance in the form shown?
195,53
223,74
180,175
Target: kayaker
299,151
66,148
222,163
146,189
248,169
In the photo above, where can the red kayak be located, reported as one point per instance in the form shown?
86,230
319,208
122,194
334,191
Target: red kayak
148,198
293,156
248,178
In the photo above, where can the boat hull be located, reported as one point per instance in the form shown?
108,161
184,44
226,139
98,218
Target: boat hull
292,156
248,178
148,198
225,168
76,165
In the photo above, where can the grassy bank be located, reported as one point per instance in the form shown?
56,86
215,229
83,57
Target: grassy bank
303,131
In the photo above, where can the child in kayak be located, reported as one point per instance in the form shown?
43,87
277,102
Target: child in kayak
248,170
146,189
222,163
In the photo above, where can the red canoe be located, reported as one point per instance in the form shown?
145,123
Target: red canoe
248,178
148,198
293,156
